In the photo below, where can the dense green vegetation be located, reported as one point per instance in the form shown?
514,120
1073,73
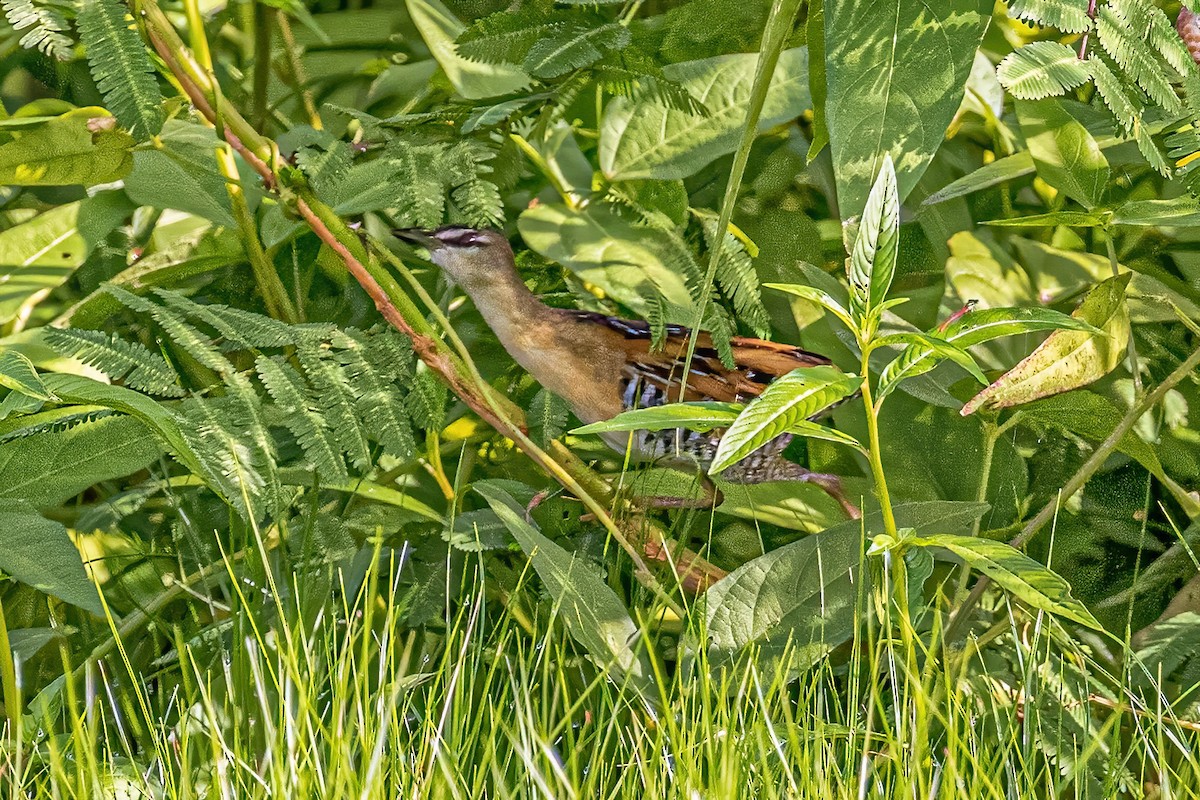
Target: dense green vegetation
279,517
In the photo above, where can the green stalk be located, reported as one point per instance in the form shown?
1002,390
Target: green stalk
263,14
8,682
874,454
779,25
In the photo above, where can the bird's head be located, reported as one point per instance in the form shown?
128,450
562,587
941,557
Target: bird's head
470,256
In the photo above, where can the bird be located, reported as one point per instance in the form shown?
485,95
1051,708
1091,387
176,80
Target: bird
603,365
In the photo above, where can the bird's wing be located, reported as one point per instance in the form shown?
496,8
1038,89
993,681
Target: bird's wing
756,362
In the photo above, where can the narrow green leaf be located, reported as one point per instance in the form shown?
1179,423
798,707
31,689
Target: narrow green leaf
588,607
821,298
877,246
1051,219
1067,359
976,327
796,396
701,416
1018,574
1002,170
939,347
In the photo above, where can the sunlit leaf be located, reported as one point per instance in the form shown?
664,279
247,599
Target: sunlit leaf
1067,359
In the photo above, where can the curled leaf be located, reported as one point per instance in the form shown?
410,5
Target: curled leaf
1067,359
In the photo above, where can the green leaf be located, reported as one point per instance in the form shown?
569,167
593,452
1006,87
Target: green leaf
38,255
821,298
17,373
49,467
896,72
643,138
1043,69
976,327
999,171
939,347
1067,359
1178,212
66,151
1052,219
798,600
1065,154
182,174
588,607
40,553
700,416
791,398
626,261
873,260
1018,574
471,79
121,66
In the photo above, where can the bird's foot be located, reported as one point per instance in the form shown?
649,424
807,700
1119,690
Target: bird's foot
832,486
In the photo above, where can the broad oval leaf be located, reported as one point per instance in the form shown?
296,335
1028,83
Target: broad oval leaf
1064,152
1042,69
644,138
588,607
798,600
67,150
877,246
700,416
626,261
976,327
1029,581
804,592
896,72
796,396
40,553
1067,359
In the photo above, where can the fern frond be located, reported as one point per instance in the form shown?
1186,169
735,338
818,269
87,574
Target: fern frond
195,343
1042,69
629,72
507,36
1151,24
121,67
301,417
1136,59
379,404
426,401
574,48
737,278
1150,150
1123,104
45,28
333,394
128,362
242,329
231,463
1069,16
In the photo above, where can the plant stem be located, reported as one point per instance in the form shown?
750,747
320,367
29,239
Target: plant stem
991,432
1077,481
8,682
874,454
263,14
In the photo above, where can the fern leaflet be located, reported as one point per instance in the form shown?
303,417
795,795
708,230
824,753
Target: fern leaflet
121,67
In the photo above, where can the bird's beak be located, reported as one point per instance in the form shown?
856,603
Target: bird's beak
416,236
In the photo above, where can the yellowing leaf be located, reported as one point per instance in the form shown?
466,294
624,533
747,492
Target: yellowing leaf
77,148
1067,359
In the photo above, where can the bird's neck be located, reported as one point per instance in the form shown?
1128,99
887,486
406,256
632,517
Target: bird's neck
518,318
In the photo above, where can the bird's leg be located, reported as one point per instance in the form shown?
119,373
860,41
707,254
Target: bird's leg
832,486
